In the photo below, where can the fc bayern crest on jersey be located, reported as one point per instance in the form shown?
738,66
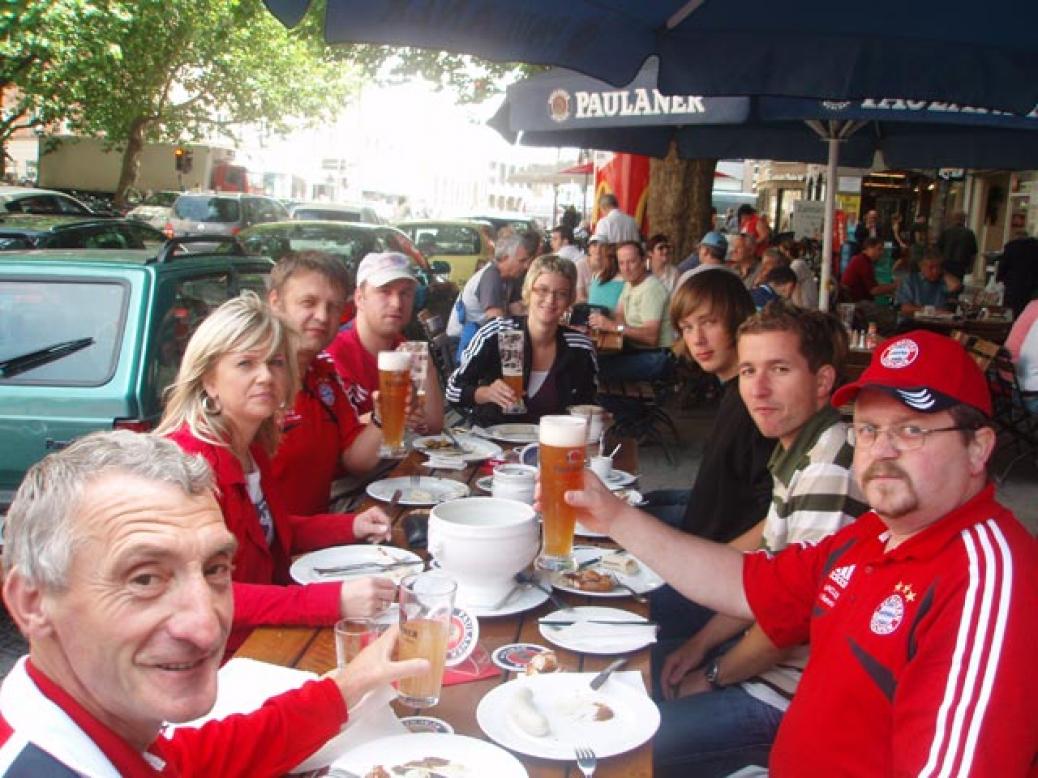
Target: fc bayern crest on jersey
900,353
888,616
327,394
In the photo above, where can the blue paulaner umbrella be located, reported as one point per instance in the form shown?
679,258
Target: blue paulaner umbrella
564,108
972,53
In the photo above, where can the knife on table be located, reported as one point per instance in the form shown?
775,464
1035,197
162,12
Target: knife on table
602,677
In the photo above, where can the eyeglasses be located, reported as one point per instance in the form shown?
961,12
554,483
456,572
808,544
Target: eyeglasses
542,293
903,437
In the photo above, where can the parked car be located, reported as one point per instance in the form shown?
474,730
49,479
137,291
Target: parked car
221,213
336,212
464,245
353,242
155,210
516,221
23,199
89,339
22,231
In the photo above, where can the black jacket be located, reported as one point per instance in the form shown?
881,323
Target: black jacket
575,370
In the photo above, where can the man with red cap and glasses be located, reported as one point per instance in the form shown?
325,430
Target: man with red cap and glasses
922,616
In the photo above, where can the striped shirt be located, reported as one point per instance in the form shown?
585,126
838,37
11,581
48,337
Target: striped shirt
814,495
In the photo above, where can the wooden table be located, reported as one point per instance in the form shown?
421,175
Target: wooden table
313,649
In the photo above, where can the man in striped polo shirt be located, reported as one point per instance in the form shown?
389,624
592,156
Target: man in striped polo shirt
922,615
724,700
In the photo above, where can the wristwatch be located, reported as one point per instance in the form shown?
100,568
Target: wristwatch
711,672
620,329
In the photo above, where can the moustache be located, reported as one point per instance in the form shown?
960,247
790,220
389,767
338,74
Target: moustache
883,470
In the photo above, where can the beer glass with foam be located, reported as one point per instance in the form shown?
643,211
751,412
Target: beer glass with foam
561,453
394,384
510,345
426,604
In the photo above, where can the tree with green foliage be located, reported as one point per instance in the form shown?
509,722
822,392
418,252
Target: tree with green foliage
33,35
143,71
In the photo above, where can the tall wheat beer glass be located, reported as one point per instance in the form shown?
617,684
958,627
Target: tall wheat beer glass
394,382
510,345
426,604
419,351
563,440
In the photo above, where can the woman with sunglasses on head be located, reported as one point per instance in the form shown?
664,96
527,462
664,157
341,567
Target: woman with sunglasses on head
237,375
559,368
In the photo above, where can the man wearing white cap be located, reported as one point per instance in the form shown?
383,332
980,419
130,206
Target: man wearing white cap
922,616
384,298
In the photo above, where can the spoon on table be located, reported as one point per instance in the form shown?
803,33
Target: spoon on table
532,580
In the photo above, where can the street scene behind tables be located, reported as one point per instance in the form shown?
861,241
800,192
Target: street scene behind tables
527,394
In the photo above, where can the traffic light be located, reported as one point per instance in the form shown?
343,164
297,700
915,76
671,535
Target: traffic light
182,158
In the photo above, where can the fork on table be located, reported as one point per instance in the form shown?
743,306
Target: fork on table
586,761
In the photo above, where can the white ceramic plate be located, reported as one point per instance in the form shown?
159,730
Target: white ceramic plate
478,757
568,703
525,599
474,449
620,478
428,490
303,570
514,433
602,639
645,580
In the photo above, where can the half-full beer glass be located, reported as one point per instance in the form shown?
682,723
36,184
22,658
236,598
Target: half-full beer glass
394,383
562,447
426,604
510,344
419,351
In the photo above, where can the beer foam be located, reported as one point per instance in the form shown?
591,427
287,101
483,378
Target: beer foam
394,361
563,431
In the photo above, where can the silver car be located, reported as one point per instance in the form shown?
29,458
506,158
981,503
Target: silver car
221,213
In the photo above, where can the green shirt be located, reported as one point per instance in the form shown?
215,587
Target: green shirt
647,302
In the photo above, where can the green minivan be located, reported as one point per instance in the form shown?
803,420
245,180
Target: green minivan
89,339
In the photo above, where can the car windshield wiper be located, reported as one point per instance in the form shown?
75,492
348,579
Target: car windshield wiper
39,357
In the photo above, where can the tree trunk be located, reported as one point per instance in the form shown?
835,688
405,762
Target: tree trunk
680,193
131,162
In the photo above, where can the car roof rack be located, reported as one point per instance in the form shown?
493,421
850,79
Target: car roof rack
167,252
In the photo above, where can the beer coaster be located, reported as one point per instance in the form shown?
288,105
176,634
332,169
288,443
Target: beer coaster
461,637
416,724
515,656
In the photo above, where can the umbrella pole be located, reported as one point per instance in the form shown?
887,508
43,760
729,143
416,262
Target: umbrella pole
827,234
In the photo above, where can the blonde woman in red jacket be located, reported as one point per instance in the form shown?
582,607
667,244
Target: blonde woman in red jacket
236,375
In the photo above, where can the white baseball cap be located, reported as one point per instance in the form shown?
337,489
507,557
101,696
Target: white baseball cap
379,269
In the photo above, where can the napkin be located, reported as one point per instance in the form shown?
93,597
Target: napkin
477,667
604,637
243,685
441,461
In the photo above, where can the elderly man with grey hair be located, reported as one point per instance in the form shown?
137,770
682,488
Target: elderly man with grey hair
117,569
495,290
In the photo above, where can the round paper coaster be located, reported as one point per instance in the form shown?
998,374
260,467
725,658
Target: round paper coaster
461,637
427,724
515,656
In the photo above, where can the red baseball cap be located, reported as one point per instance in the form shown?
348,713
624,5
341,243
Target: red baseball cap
926,371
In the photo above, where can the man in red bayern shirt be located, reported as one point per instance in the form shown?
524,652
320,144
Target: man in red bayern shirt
922,616
384,298
321,435
117,568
